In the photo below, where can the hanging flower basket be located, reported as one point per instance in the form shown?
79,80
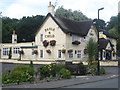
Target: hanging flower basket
48,51
53,42
45,43
63,50
114,53
70,51
35,52
21,51
76,42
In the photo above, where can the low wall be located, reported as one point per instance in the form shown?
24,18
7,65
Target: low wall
108,63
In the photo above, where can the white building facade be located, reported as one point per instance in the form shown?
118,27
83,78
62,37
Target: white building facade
58,39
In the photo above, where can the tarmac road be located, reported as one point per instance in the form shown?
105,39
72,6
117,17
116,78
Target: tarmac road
111,83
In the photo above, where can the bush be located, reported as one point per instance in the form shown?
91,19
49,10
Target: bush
64,73
49,70
82,69
102,71
20,73
92,69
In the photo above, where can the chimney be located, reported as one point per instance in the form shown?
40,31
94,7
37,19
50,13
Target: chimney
51,9
14,37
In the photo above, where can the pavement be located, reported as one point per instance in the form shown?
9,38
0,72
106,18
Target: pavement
112,72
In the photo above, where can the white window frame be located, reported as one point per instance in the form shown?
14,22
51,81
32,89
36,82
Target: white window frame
70,55
59,54
16,50
41,53
5,51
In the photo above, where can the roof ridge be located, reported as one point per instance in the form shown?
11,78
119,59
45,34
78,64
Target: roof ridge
71,19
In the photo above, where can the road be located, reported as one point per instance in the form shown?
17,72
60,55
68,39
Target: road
111,83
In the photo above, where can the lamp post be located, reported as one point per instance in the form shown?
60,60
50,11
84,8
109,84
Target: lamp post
98,43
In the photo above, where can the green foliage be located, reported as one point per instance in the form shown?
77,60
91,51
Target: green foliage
102,70
74,15
20,73
64,73
100,24
91,50
92,69
50,70
82,69
25,28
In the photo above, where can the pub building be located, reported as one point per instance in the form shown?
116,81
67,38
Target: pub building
60,40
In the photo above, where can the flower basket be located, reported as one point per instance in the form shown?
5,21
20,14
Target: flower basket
63,50
45,43
48,51
21,51
76,42
70,51
52,42
35,52
114,53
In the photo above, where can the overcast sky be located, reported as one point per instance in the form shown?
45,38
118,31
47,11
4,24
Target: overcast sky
20,8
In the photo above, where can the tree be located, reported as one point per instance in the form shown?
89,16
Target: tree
91,47
74,15
100,23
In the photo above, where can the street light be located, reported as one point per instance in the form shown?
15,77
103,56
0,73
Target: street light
98,42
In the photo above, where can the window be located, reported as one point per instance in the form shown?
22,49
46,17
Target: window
32,51
79,54
74,38
59,54
41,37
71,55
5,51
16,50
41,53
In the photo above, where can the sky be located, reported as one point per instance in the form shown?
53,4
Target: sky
19,8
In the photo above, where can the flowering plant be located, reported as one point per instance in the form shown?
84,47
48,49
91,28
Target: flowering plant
35,52
45,43
114,53
70,51
48,51
21,51
52,42
76,42
63,50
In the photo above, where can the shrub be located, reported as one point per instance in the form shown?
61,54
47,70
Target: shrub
92,69
82,69
44,71
20,73
102,71
64,73
49,70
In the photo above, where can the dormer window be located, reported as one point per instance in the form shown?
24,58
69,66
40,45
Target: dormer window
75,38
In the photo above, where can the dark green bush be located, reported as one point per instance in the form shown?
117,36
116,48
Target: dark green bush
102,71
82,69
64,73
